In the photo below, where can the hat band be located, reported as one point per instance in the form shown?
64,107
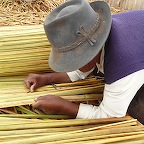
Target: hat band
83,37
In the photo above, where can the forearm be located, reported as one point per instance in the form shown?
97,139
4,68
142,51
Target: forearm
56,77
69,108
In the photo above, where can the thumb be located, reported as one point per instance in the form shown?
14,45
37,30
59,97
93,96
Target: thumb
35,105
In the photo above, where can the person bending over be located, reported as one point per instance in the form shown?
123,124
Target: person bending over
83,36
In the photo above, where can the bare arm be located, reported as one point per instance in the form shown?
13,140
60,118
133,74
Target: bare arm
34,81
56,77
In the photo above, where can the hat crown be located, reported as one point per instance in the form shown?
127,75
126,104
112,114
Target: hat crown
67,11
71,24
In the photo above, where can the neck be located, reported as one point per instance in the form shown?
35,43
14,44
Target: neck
92,63
97,58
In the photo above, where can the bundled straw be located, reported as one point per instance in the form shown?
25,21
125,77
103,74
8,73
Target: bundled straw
24,49
29,131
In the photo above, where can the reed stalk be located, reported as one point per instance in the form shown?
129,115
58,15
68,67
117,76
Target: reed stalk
72,135
106,138
34,116
52,124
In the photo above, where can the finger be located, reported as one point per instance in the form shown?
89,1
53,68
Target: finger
40,98
27,83
45,97
40,106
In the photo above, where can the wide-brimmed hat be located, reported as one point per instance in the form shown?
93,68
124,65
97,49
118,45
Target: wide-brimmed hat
77,30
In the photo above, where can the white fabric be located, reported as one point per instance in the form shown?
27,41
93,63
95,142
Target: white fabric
116,99
78,75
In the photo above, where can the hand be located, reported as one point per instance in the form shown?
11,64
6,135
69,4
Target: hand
55,105
34,81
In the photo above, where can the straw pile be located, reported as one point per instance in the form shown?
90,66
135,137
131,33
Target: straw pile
20,12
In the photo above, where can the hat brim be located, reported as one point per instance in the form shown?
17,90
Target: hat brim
84,53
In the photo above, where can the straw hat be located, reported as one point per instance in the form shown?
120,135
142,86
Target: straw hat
77,30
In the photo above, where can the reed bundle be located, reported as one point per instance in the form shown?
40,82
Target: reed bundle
24,49
29,131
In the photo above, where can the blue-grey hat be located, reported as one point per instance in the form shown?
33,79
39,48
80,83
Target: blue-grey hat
77,30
